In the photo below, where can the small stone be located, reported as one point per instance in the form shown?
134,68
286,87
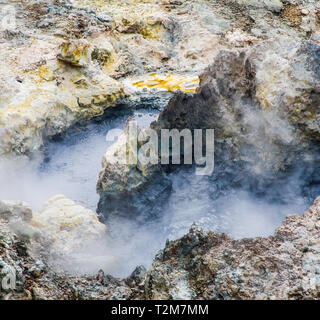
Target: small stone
36,273
137,275
101,55
45,24
60,33
105,18
75,52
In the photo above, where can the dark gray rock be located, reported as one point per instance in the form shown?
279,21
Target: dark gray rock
134,190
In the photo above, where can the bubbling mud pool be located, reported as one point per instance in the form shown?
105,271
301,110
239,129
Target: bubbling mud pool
71,167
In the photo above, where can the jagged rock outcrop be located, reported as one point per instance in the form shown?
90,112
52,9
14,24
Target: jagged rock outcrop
33,243
262,102
126,186
42,97
26,275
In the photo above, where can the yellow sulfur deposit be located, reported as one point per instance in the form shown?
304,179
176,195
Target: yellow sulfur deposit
170,83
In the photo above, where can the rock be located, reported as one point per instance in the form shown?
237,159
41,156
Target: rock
261,99
260,102
45,24
297,70
216,25
105,18
137,276
50,99
29,276
144,38
102,55
272,5
32,244
125,185
208,265
213,266
76,53
13,210
68,225
200,265
170,83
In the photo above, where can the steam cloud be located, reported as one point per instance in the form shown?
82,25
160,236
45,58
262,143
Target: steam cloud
212,202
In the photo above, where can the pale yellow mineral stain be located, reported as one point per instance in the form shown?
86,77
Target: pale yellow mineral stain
45,73
169,82
23,107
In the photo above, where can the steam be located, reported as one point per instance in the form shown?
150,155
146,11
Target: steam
218,203
125,246
195,199
69,167
235,211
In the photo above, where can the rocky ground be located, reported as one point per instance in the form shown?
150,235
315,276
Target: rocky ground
198,266
213,266
67,62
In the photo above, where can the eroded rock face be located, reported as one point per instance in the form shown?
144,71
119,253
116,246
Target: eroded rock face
29,275
32,243
43,98
130,189
262,103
